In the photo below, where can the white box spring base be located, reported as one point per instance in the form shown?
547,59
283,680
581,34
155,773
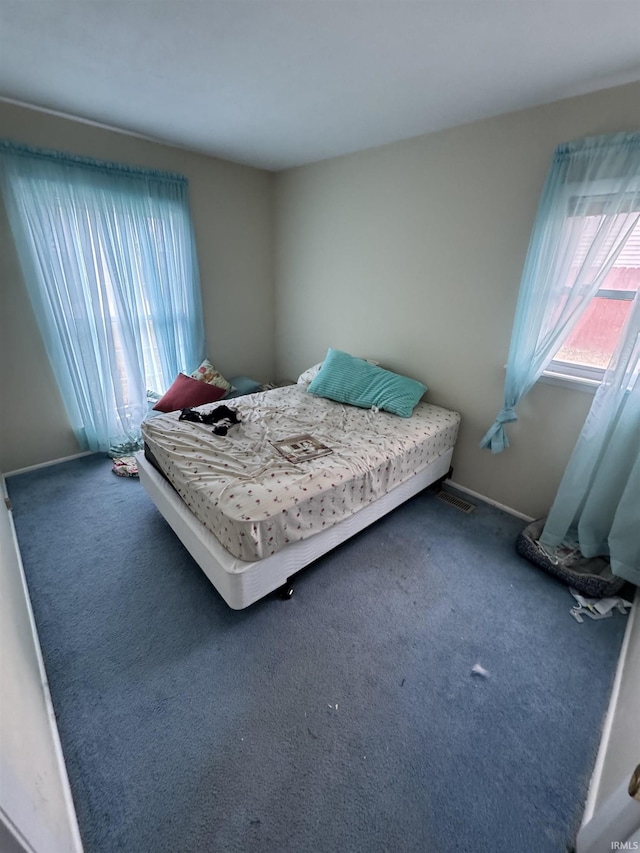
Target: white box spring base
242,583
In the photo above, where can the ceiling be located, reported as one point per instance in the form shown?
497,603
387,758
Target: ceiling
280,83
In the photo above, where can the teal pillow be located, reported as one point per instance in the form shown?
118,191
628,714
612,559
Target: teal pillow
351,380
241,385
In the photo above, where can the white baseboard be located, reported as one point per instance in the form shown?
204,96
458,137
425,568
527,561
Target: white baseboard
47,464
487,500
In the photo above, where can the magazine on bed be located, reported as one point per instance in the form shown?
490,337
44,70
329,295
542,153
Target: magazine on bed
301,448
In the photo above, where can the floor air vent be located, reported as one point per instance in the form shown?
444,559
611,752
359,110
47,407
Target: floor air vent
454,500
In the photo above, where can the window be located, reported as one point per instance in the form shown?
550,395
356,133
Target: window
587,351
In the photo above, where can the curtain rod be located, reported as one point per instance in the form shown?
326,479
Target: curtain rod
7,146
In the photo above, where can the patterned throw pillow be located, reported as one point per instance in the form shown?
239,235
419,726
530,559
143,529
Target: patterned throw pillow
309,375
208,373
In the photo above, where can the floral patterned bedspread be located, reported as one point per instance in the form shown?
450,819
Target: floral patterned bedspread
255,501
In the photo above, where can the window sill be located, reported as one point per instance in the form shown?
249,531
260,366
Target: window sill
574,382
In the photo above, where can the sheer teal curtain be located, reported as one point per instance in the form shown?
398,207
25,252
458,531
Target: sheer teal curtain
597,508
109,259
589,207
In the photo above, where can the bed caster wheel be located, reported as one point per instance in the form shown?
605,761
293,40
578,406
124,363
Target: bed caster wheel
287,591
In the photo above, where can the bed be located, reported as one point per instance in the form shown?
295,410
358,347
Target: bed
250,516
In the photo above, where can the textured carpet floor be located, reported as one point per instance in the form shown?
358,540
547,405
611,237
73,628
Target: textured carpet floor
344,719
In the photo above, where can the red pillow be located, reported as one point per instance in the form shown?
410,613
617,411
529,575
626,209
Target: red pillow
186,392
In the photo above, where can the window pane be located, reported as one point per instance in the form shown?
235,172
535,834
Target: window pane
622,278
594,339
592,239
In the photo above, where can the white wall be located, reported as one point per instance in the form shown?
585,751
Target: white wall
36,803
412,254
232,215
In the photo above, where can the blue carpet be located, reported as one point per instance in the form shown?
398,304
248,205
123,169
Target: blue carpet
344,719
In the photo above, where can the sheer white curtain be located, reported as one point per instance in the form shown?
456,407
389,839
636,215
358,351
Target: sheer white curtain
597,508
109,260
589,208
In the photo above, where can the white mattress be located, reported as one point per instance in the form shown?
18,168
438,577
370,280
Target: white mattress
255,502
242,583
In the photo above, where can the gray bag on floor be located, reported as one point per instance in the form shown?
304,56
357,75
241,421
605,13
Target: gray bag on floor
592,576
